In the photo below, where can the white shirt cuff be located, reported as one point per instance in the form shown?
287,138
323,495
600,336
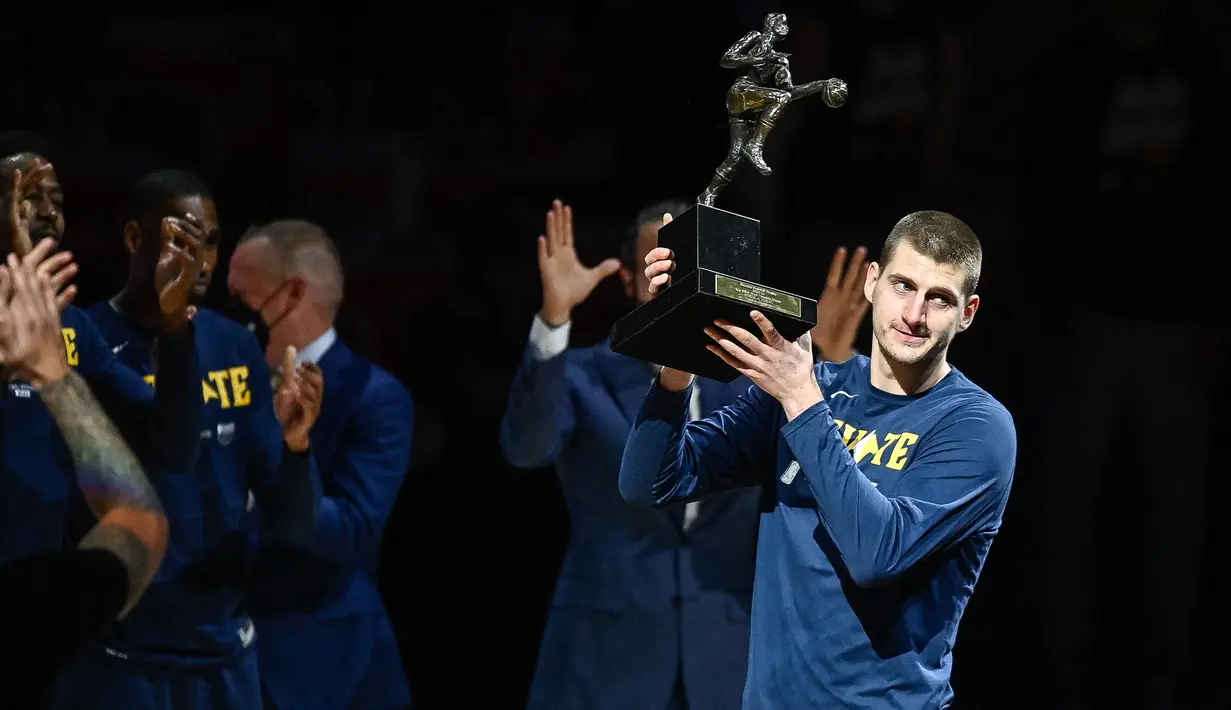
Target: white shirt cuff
547,342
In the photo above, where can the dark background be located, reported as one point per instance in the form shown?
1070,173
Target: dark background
430,140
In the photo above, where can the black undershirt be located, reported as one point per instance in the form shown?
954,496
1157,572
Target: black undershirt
53,604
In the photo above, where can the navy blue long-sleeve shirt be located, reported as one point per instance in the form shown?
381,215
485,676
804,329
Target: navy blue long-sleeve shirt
36,470
192,613
886,507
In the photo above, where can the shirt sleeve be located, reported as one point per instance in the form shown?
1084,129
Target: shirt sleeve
539,417
163,424
365,474
547,342
956,486
667,459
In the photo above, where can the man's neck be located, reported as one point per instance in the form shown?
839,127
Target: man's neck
140,309
309,334
896,378
306,334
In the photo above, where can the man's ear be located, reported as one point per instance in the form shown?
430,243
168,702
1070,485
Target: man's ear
968,313
628,280
132,237
296,293
869,281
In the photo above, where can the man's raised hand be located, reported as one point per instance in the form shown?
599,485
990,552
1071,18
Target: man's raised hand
842,306
21,210
297,400
566,281
30,341
179,263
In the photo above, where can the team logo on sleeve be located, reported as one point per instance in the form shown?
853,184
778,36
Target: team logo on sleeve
226,433
247,634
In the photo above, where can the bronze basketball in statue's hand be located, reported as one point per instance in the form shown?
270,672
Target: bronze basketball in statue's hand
834,94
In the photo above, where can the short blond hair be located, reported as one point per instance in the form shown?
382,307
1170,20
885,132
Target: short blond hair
298,247
941,237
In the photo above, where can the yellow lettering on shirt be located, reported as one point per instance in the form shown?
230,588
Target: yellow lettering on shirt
221,378
228,387
241,396
70,346
897,460
891,452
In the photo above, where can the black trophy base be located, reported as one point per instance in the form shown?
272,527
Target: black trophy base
669,330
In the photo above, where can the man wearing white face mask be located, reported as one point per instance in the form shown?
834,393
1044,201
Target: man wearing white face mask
325,639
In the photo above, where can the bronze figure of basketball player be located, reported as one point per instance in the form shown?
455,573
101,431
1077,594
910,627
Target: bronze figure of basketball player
757,98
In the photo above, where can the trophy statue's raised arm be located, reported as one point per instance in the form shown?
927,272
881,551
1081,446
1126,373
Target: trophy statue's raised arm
758,97
716,253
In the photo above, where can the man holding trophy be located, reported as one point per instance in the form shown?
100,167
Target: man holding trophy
887,475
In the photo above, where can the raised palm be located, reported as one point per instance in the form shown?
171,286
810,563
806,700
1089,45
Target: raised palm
566,281
842,306
21,210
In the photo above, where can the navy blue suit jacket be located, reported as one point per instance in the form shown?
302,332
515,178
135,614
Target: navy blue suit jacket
323,637
638,597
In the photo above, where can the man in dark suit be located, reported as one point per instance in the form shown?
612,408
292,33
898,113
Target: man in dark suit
325,640
629,573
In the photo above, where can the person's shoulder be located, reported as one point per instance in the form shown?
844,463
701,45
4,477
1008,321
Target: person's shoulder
974,414
73,316
217,324
95,311
583,365
589,355
381,386
838,375
215,331
972,397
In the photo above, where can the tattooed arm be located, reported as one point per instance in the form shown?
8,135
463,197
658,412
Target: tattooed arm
131,522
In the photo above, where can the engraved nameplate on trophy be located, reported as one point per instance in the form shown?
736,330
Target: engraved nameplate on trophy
717,273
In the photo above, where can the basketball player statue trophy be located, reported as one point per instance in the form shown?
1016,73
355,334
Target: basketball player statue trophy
717,253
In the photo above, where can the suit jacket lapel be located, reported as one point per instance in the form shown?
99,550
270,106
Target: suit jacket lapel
337,368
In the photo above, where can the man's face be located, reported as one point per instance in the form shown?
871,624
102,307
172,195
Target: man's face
647,239
270,297
248,279
46,198
917,306
202,212
780,28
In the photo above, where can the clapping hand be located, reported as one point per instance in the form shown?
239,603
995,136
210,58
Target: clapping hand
842,306
57,268
179,263
31,345
21,210
297,401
